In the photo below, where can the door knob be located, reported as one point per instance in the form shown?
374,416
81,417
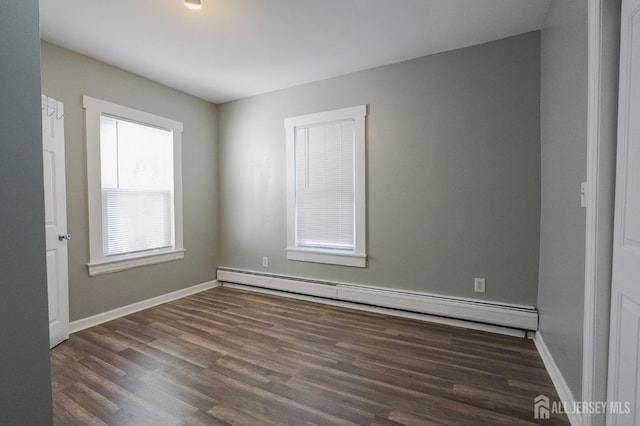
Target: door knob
64,237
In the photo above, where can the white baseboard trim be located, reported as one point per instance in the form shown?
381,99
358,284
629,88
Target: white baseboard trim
98,319
559,383
453,308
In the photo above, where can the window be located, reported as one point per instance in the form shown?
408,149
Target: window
326,187
135,187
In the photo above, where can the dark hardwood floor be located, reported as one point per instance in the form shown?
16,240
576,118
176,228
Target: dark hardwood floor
233,357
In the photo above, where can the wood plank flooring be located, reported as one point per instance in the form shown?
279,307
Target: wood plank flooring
227,356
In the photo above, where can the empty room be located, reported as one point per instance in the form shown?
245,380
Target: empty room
371,212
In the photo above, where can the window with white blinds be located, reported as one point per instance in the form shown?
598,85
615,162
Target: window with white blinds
324,186
135,187
325,162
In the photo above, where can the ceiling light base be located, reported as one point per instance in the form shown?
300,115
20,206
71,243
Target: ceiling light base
193,4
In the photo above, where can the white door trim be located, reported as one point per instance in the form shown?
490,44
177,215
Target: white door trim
593,179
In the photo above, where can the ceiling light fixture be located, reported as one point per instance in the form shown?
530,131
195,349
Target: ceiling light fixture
193,4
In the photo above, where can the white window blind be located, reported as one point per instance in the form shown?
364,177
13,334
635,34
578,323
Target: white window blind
137,186
324,186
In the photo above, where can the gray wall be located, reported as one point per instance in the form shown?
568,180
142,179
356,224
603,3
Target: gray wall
453,157
25,384
67,76
564,157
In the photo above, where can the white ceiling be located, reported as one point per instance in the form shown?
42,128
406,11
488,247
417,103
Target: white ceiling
236,48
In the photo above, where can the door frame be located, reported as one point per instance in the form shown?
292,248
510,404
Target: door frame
592,196
600,190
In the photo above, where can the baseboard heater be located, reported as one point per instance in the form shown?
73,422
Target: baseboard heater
491,313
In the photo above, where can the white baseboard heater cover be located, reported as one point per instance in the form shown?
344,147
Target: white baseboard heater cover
505,315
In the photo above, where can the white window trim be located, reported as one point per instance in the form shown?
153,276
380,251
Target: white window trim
358,257
98,264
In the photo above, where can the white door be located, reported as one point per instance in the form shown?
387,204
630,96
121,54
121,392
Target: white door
55,207
624,349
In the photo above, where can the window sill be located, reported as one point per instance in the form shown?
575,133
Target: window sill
124,263
357,260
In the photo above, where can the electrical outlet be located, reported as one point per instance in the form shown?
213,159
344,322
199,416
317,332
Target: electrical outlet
265,262
479,285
